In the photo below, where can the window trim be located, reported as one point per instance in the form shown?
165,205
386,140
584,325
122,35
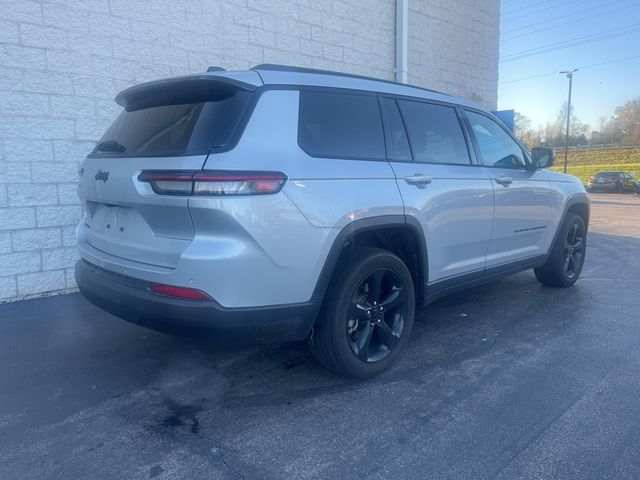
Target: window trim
345,91
525,153
386,125
462,118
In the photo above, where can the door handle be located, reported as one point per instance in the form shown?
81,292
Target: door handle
418,180
504,180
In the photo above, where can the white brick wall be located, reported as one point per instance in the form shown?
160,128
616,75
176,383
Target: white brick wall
63,61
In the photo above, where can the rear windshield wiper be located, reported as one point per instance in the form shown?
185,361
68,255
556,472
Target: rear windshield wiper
110,146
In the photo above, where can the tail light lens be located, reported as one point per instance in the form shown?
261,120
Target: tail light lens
169,183
213,183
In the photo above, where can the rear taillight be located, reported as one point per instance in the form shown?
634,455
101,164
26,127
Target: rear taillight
214,183
178,292
169,183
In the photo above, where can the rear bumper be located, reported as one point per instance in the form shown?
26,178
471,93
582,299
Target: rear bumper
130,299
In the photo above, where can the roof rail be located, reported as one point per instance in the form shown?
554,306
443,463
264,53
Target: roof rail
274,67
290,68
215,69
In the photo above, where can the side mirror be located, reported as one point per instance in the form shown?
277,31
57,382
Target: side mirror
542,157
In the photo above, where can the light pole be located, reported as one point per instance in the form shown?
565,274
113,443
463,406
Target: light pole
569,74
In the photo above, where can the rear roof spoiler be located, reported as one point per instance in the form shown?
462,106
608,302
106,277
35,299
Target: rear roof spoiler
179,90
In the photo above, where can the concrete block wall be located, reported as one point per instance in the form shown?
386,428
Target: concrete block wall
63,61
454,47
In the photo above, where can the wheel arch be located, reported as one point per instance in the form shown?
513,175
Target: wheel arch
579,205
399,234
580,208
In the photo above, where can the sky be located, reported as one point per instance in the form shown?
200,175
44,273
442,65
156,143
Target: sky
545,25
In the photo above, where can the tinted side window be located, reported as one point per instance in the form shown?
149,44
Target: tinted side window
434,133
395,134
340,125
497,148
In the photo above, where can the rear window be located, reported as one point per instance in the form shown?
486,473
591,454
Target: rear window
340,125
176,129
608,174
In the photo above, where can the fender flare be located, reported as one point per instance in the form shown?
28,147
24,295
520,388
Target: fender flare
370,224
577,199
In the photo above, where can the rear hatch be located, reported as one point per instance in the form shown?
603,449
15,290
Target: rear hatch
166,125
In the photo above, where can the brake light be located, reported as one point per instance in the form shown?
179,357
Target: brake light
169,183
178,292
214,183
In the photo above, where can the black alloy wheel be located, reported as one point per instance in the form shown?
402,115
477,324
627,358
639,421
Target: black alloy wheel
566,259
377,315
367,314
573,251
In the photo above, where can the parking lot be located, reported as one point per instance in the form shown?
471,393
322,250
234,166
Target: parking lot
508,380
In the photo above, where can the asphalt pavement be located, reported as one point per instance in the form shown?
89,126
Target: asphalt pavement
508,380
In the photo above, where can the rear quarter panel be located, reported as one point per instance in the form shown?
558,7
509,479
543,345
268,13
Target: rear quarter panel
290,234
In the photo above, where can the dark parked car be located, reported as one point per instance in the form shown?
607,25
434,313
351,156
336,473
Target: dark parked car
611,182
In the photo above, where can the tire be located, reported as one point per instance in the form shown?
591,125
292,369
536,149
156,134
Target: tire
356,336
564,265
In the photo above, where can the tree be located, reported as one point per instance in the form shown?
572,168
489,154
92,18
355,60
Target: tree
577,130
555,133
522,129
624,126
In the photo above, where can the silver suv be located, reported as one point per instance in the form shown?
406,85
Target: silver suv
283,203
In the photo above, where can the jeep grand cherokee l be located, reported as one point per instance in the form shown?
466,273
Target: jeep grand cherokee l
283,203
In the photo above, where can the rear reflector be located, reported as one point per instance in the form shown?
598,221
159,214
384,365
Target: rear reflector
178,292
213,183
